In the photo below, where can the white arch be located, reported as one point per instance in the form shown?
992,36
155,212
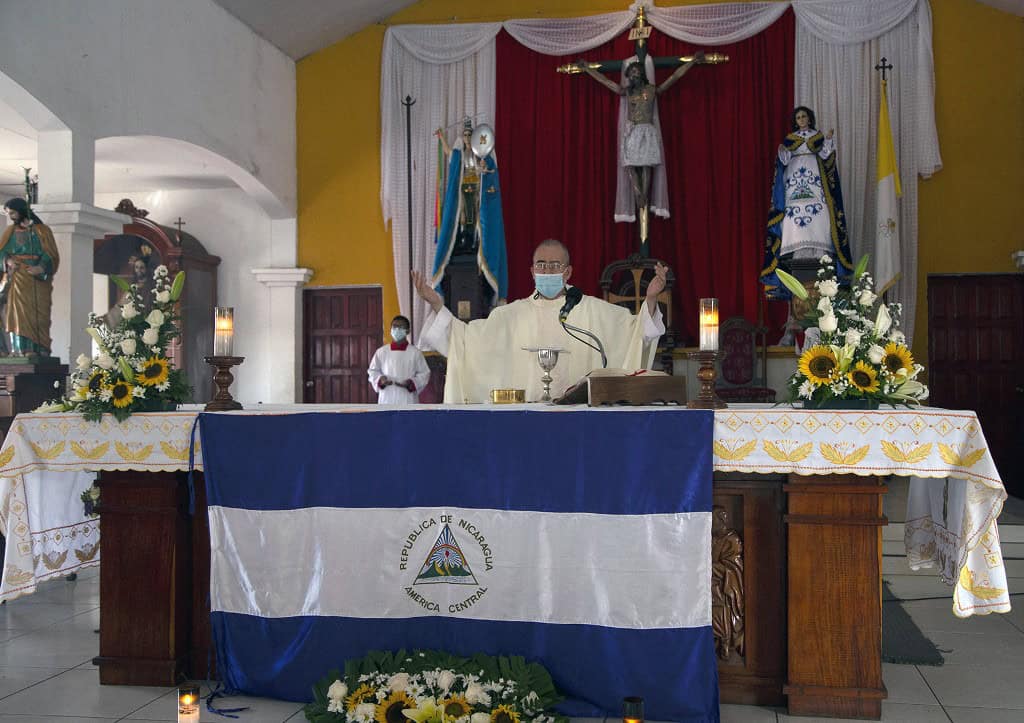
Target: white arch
181,161
28,106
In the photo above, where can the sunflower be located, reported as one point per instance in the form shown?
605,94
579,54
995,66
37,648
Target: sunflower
455,706
390,709
154,371
362,694
504,714
897,357
95,382
863,377
122,393
819,365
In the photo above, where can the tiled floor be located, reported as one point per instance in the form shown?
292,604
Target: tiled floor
47,643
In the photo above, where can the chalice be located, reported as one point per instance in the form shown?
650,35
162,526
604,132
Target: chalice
547,357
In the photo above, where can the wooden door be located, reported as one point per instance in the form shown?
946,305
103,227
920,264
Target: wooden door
341,330
976,357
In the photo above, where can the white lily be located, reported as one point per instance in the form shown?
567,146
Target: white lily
883,321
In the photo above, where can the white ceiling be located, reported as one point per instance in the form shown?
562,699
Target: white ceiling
301,27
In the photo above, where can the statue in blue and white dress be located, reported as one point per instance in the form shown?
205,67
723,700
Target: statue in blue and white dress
806,219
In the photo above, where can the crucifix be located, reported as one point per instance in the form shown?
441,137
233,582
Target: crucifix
640,151
883,66
179,223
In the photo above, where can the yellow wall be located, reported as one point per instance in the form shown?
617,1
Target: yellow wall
968,211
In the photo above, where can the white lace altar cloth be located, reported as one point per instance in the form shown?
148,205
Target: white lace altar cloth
955,491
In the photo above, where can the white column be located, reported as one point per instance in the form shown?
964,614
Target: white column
75,226
284,350
67,167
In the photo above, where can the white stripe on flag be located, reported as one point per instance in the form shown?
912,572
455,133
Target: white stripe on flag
887,240
623,571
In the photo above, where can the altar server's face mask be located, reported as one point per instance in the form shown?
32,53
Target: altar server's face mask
398,333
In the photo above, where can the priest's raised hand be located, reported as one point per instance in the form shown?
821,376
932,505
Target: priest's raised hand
426,291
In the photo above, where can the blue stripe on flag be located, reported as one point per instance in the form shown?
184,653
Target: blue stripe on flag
673,670
606,462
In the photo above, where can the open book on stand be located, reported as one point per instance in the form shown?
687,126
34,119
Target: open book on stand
628,387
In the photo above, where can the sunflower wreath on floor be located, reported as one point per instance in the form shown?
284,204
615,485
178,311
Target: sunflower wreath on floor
429,686
131,372
860,354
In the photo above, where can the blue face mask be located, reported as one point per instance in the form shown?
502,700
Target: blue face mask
549,285
398,334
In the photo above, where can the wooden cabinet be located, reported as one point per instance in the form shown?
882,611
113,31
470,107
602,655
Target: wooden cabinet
151,244
976,358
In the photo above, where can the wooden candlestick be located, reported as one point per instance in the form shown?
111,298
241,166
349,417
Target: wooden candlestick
222,400
706,398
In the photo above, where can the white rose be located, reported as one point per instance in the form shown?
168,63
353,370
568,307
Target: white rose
399,682
155,318
104,361
337,691
825,305
83,362
335,706
128,311
480,718
866,298
445,680
150,336
160,270
853,337
128,347
828,287
163,297
875,354
365,712
883,321
828,323
898,337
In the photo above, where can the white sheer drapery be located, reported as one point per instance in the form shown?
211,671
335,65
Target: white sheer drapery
837,47
450,71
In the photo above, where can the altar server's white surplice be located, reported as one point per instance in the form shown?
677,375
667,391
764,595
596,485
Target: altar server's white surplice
399,363
488,353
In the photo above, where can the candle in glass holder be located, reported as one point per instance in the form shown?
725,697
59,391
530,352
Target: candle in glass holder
188,703
223,330
633,709
709,324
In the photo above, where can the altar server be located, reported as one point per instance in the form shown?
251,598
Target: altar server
489,353
398,372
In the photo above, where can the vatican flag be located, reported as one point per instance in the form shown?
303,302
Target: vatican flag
887,237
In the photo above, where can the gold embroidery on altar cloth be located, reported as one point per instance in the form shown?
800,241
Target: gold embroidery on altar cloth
951,455
93,454
44,453
88,552
785,451
17,576
839,453
734,450
906,452
175,452
125,450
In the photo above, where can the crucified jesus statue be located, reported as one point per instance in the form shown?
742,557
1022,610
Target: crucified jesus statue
640,148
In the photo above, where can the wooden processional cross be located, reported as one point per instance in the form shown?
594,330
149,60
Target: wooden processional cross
641,175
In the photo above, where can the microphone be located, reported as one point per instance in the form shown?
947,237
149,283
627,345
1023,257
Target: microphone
573,296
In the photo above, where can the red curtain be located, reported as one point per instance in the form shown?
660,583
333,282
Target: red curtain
721,125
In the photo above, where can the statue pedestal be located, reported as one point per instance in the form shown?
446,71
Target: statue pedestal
27,382
466,293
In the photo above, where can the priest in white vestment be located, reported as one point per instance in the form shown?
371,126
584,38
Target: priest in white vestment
488,353
398,372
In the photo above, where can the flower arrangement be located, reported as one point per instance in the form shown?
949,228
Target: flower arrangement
90,499
131,372
861,353
434,687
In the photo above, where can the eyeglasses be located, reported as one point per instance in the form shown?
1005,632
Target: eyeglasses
554,266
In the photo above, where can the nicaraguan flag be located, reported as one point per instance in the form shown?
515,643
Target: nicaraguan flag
887,212
578,539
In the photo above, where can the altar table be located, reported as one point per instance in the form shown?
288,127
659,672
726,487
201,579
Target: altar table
834,461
